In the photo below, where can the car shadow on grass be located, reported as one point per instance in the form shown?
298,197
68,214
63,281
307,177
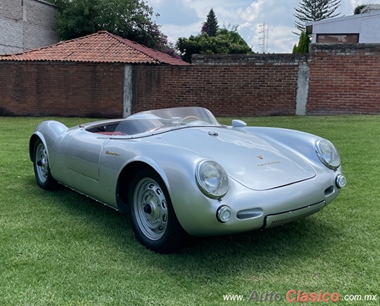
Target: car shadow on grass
256,250
259,252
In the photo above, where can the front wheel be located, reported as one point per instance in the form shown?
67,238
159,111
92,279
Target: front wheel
153,218
41,167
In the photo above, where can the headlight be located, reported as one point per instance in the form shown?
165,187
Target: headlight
327,153
212,179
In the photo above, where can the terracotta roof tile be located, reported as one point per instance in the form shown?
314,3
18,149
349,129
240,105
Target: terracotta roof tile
100,47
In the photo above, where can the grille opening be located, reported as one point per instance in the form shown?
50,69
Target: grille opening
329,191
249,213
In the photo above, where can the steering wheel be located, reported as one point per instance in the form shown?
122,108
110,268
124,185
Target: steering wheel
191,118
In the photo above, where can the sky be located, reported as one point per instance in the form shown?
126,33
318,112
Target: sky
266,25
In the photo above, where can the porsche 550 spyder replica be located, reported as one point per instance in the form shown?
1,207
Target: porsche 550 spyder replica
178,171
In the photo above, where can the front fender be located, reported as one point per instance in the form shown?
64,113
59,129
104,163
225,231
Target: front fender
300,143
51,133
176,166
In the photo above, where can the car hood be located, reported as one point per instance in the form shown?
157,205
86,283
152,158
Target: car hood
248,159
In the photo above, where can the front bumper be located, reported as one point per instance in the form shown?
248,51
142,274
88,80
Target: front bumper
289,216
252,210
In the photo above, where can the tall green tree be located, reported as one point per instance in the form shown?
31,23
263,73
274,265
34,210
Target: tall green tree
314,10
303,44
130,19
211,26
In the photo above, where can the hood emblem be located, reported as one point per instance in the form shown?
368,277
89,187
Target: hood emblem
269,163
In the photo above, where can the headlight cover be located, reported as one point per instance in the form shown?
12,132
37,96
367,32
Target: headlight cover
212,179
327,153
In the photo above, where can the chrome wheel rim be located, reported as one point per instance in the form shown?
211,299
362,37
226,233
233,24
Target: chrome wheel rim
150,208
42,164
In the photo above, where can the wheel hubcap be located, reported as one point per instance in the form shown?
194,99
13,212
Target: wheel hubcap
150,209
42,164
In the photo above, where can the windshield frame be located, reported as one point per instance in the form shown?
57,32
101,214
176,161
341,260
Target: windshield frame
157,121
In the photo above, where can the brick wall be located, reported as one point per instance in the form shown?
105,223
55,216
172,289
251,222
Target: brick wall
64,89
229,86
26,24
344,79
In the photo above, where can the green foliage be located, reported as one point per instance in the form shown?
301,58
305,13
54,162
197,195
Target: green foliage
130,19
314,10
211,25
225,42
359,8
212,40
303,44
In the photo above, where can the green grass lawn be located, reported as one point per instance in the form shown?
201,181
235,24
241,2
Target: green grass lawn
61,248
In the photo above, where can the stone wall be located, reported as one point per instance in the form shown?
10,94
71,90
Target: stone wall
26,24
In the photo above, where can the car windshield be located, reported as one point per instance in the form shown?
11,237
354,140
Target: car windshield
163,119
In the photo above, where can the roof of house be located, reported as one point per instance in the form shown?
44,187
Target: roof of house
100,47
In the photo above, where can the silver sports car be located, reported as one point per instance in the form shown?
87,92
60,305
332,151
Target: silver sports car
178,171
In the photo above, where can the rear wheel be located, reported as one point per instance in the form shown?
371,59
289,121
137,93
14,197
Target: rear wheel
41,167
153,218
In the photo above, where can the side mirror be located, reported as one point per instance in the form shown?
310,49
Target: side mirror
238,123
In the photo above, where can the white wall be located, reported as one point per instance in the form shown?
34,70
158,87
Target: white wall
366,25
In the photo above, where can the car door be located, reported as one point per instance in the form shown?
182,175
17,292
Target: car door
83,153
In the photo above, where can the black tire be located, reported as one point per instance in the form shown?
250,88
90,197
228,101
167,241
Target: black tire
153,218
41,167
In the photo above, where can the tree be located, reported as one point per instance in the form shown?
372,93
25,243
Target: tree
314,10
358,9
224,42
211,25
212,40
130,19
303,44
